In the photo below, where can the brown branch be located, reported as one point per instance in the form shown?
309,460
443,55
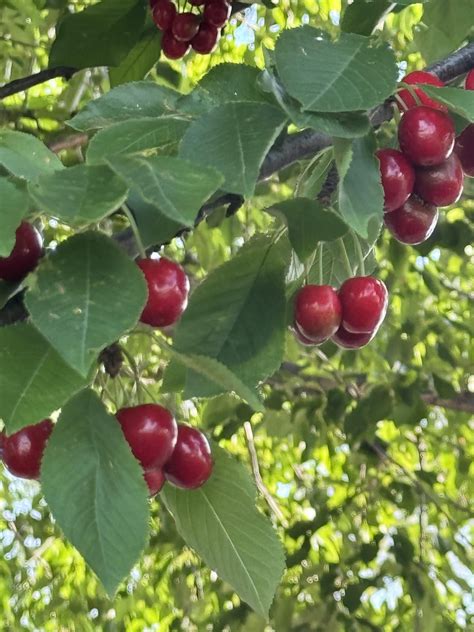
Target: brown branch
68,142
463,402
20,85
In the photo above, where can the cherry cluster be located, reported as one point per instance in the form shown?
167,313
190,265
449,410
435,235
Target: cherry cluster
183,30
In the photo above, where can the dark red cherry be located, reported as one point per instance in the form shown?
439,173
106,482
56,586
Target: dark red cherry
155,479
2,443
417,78
348,340
398,178
364,301
151,431
25,254
164,13
191,463
23,451
412,223
318,312
168,288
206,39
217,13
426,136
197,3
440,185
301,338
173,48
185,26
469,83
464,149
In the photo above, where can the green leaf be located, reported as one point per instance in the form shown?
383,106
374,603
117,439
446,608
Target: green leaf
313,177
177,187
85,296
95,489
308,224
14,206
34,379
443,387
347,75
137,135
132,101
7,290
360,188
103,34
238,542
459,100
140,59
378,405
154,227
234,138
25,156
79,195
362,16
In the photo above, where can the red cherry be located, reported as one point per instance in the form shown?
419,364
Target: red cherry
426,136
164,13
206,39
364,301
217,12
348,340
469,83
416,78
301,338
23,451
2,443
191,462
412,223
318,312
464,149
398,178
151,432
25,254
173,48
440,185
185,26
168,288
155,479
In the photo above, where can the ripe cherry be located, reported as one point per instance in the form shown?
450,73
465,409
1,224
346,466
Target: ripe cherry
318,312
206,39
164,13
151,431
416,78
23,451
301,338
168,288
426,136
2,443
413,222
398,178
440,185
191,463
348,340
364,301
464,149
155,479
25,254
469,83
217,13
173,48
197,3
185,26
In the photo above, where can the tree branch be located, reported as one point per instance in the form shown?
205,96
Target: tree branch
19,85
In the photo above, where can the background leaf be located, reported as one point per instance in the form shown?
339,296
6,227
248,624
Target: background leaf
457,99
362,16
14,206
25,156
140,59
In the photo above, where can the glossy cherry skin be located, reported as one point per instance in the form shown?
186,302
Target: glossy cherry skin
191,463
416,78
206,39
168,289
185,26
217,13
426,136
164,12
301,338
25,254
412,223
318,312
464,149
173,48
398,178
151,432
23,451
440,185
364,301
469,83
155,479
348,340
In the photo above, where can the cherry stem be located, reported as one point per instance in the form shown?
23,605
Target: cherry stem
320,272
135,371
345,257
413,93
402,103
360,255
136,232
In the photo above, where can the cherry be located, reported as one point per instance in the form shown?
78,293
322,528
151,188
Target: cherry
301,338
173,48
464,149
364,301
217,13
191,463
398,178
348,340
168,288
469,83
185,26
416,78
197,3
426,136
151,432
2,443
318,312
413,222
155,479
25,254
206,39
164,13
441,185
23,451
